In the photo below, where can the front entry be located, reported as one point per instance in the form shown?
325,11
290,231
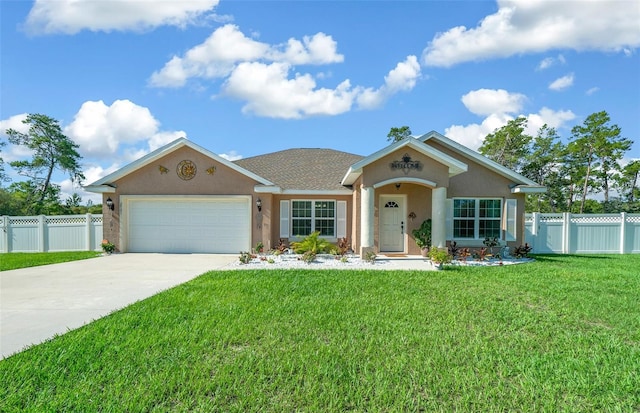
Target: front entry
392,225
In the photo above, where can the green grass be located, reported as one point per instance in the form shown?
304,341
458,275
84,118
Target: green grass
560,334
16,260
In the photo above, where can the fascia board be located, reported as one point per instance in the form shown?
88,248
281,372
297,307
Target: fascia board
526,189
100,189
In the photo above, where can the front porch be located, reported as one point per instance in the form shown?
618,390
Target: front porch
392,209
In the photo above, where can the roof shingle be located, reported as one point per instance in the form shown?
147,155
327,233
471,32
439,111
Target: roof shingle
302,169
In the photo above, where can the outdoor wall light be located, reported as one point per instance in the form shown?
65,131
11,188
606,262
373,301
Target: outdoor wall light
110,204
398,185
259,204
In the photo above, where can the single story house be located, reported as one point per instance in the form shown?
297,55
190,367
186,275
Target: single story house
183,198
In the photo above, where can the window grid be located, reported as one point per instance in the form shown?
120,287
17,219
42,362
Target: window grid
311,216
477,218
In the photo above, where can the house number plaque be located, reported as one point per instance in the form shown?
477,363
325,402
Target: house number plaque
186,170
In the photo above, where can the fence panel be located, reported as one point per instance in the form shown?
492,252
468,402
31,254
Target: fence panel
583,233
51,233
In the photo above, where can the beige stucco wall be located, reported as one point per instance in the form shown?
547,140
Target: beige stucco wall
479,181
275,212
149,180
380,170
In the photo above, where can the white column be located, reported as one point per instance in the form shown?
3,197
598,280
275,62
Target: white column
366,216
439,217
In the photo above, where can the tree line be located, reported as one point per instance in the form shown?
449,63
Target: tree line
585,175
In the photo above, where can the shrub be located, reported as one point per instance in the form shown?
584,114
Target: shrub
309,256
312,243
245,257
108,247
370,257
439,256
522,251
422,235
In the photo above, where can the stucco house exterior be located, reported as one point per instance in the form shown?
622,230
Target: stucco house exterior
183,198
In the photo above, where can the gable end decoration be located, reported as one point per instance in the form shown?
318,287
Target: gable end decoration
406,164
186,170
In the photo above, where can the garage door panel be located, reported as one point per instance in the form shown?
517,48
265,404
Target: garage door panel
218,225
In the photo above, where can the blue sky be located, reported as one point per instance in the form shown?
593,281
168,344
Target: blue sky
243,78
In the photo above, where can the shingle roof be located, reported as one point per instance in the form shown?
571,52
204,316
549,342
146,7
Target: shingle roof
302,169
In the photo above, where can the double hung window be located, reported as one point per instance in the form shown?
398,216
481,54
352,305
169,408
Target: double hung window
310,216
477,218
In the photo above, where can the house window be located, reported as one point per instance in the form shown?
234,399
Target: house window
477,218
311,216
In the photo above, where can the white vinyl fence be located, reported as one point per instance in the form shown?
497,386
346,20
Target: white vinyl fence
583,233
51,233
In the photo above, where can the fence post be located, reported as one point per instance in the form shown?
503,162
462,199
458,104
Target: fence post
623,232
566,232
535,226
4,223
87,232
41,232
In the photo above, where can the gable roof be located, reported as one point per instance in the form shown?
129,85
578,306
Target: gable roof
106,183
455,166
520,182
303,170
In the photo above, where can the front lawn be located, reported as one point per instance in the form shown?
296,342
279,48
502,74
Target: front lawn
560,334
16,260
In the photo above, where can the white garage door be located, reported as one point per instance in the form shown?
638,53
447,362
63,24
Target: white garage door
189,225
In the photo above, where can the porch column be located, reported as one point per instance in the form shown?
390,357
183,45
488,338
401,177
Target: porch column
439,217
366,216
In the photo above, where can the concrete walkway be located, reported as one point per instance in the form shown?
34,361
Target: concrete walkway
39,302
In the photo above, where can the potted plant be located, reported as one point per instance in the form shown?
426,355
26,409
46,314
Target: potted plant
422,236
108,247
439,257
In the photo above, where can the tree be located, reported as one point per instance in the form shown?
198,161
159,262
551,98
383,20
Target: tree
398,134
508,145
542,165
628,180
3,176
599,147
51,150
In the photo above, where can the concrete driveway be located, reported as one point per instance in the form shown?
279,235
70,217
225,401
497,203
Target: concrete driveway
39,302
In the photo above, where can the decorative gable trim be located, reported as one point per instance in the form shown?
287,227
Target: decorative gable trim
98,186
455,166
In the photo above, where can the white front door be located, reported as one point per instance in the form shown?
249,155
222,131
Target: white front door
392,225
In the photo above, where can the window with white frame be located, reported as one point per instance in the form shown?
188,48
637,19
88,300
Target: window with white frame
309,216
477,218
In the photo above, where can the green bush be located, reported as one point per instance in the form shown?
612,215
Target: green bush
312,243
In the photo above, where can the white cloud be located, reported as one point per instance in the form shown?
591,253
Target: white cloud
550,117
106,132
550,61
562,82
72,16
473,135
402,78
214,58
227,47
231,156
269,92
485,102
11,152
533,26
262,75
592,90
